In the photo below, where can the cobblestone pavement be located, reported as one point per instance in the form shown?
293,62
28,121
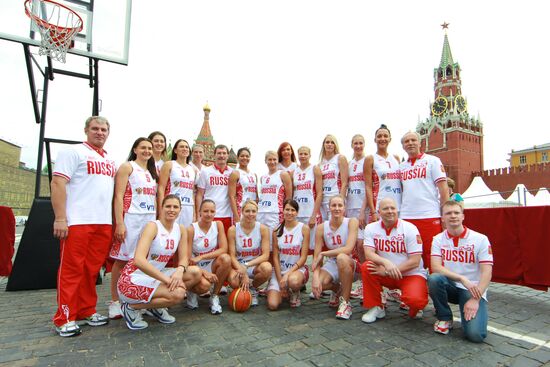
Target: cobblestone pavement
308,336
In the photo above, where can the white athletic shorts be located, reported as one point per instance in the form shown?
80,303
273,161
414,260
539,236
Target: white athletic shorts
271,221
354,213
186,215
325,211
331,267
312,231
139,287
273,284
206,265
134,226
249,270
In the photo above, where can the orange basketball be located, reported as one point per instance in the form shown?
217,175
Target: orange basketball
240,300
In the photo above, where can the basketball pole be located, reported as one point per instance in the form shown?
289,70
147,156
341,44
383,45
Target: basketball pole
38,251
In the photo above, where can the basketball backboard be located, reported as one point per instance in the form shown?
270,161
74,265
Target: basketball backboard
105,34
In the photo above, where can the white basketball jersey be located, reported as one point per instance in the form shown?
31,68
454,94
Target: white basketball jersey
248,246
182,182
356,184
331,178
386,179
164,246
337,238
304,190
290,247
247,188
204,243
272,193
132,280
290,168
141,191
158,165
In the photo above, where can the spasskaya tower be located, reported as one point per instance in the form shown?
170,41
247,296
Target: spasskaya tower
450,132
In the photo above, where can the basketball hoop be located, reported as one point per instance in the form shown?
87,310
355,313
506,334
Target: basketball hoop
57,24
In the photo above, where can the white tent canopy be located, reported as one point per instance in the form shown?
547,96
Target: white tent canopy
542,197
480,195
521,196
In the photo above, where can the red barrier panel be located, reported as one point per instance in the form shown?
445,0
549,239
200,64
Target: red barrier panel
7,239
520,237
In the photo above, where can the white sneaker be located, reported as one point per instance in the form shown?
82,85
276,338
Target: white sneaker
94,320
134,319
333,301
393,295
295,300
114,310
419,315
374,313
192,301
344,310
161,314
215,307
357,293
68,329
254,294
324,294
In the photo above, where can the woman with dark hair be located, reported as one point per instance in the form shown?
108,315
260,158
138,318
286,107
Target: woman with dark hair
133,207
248,242
145,283
178,177
159,148
287,158
243,184
334,170
208,250
290,249
382,174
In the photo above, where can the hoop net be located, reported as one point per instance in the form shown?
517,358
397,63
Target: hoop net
57,24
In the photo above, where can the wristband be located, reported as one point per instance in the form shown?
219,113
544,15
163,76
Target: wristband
60,220
184,268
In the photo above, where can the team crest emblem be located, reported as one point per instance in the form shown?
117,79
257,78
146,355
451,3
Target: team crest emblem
442,169
139,190
418,239
490,250
154,256
176,183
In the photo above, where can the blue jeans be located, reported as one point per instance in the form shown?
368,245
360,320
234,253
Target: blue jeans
442,291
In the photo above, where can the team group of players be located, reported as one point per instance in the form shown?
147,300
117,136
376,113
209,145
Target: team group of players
182,230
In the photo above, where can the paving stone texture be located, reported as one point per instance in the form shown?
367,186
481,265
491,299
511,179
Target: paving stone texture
307,336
